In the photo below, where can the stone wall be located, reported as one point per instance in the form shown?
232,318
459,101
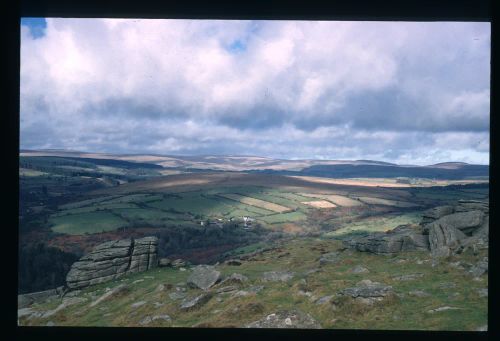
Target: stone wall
113,259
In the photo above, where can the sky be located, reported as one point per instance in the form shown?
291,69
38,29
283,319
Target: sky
402,92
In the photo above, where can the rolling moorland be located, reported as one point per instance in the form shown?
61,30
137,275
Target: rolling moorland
273,223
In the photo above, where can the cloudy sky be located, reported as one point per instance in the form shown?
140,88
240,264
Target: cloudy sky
410,93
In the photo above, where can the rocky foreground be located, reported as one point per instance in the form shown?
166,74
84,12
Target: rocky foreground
427,277
444,230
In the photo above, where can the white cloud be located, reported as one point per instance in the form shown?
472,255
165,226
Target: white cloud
291,89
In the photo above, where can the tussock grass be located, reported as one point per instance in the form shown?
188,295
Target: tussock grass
397,311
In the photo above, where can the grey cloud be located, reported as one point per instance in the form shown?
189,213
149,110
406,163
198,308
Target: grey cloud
131,108
393,91
391,109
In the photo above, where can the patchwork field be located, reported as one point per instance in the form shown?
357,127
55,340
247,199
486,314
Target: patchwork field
257,203
164,202
284,217
173,209
336,199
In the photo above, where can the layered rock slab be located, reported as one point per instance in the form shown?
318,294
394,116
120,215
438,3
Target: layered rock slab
113,259
402,238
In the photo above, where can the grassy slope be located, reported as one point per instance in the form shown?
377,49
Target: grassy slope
376,224
299,256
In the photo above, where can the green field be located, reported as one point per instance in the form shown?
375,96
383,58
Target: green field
278,198
181,208
137,198
85,203
229,202
192,204
92,222
297,198
378,201
76,211
148,215
141,209
284,217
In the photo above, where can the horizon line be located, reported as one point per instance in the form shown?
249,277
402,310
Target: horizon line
21,150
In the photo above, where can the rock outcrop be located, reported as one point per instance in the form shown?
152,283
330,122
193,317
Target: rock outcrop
195,302
148,319
164,262
329,258
277,276
120,289
435,213
444,237
358,269
469,205
444,230
65,303
286,319
480,268
467,227
234,278
25,300
467,222
402,238
178,263
367,289
113,259
203,277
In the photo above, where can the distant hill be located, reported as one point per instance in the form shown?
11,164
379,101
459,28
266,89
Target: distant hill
321,168
372,162
388,171
450,165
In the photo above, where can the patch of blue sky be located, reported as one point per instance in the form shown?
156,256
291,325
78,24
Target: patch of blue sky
240,45
237,46
36,26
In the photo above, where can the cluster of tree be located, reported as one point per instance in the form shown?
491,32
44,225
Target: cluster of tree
175,239
42,267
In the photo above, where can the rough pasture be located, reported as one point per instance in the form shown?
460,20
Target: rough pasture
256,202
